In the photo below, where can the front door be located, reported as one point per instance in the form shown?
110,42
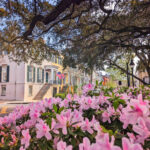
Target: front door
48,75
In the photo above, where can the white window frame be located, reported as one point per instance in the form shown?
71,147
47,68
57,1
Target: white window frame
3,93
31,74
4,73
40,74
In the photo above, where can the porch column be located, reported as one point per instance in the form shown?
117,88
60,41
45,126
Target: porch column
68,78
52,75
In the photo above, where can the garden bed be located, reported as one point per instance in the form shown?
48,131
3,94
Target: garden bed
117,119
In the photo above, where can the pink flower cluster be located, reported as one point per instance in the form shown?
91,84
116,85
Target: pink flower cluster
87,88
41,121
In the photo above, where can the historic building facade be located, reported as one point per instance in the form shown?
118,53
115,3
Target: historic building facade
28,81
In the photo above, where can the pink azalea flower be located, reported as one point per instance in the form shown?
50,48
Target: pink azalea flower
87,88
106,117
53,126
104,143
55,141
142,130
85,145
43,130
2,140
103,99
14,138
125,96
77,118
63,146
26,138
127,145
22,148
34,114
107,114
69,97
131,137
134,110
29,123
86,126
62,123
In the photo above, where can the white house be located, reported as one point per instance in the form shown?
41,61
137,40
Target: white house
27,81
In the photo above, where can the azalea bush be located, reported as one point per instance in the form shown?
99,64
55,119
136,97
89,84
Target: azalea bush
114,119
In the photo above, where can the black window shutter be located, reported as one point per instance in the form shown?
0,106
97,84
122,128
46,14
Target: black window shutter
37,74
0,73
42,75
28,68
7,74
34,74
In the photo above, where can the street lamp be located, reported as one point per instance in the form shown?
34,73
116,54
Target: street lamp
132,66
128,76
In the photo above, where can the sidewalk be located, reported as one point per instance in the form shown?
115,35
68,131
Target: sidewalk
8,106
3,102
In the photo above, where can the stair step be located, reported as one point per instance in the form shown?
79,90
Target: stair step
42,91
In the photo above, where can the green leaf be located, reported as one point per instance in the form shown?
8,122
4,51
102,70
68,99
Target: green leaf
110,132
121,101
70,132
116,104
55,108
46,114
49,122
96,83
73,142
60,110
99,112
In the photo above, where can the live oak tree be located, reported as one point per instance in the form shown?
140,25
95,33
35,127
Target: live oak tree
101,28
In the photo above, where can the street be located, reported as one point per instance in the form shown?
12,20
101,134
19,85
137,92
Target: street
7,107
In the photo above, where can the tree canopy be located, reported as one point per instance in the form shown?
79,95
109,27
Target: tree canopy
103,29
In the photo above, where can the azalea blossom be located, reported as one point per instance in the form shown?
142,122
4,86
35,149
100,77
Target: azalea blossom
142,130
85,145
26,138
63,146
87,126
86,119
127,145
62,120
43,130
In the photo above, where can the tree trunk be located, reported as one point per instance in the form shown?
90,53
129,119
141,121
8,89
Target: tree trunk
126,71
91,74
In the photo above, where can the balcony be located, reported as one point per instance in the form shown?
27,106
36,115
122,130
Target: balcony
58,82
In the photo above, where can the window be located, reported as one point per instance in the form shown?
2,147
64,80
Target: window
31,74
60,60
4,73
30,90
54,76
40,75
3,90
